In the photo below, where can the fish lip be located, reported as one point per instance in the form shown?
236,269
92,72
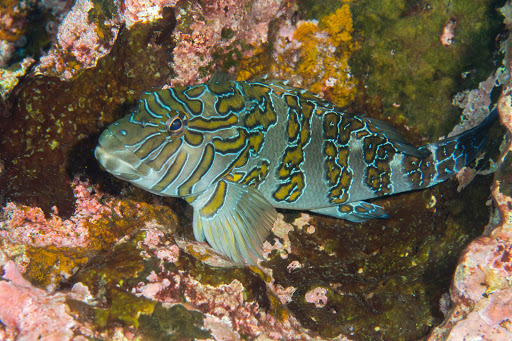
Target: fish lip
116,159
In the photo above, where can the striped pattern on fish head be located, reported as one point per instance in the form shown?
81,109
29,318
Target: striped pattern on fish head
179,141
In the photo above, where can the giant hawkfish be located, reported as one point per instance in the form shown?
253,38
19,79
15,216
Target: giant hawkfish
237,150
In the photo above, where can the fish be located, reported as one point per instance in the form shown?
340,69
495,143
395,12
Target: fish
237,150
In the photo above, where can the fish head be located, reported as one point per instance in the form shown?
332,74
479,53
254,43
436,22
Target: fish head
167,146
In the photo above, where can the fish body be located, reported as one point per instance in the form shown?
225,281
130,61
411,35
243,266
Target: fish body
238,150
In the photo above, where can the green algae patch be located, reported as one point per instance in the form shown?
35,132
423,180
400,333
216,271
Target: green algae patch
127,216
174,323
255,287
53,265
125,308
113,270
405,63
128,308
152,320
102,12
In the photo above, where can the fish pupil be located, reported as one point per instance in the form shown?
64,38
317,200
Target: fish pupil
176,125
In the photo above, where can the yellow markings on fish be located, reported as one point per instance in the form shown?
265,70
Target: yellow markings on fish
172,173
257,175
166,97
339,193
258,117
293,157
193,138
163,156
293,125
149,145
194,106
200,170
343,157
347,126
234,177
345,208
371,144
216,200
255,141
291,190
229,98
291,101
211,124
230,145
331,121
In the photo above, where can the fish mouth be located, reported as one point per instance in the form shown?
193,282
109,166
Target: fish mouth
118,160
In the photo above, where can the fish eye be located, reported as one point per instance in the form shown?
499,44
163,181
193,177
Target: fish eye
175,126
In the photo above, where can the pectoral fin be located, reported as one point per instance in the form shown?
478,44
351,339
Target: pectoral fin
234,219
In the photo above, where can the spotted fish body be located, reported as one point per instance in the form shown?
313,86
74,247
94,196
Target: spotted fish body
236,150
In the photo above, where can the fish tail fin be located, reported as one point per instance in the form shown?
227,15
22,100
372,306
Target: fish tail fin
448,156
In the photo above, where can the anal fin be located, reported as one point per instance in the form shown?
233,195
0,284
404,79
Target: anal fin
356,211
234,219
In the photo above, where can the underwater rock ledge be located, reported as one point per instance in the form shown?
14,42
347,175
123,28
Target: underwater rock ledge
94,258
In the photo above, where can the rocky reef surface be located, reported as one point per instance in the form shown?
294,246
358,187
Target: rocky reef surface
85,256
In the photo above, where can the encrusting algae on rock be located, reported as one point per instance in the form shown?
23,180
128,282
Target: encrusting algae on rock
313,55
135,271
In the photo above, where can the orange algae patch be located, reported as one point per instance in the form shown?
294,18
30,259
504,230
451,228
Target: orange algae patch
50,265
13,20
127,215
314,55
55,249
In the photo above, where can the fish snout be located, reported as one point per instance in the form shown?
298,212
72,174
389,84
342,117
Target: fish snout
117,159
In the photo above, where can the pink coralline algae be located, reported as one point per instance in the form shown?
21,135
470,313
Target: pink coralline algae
229,26
144,10
161,249
219,25
480,300
80,39
32,314
281,230
285,294
293,265
227,312
14,19
29,226
481,295
448,36
475,103
318,296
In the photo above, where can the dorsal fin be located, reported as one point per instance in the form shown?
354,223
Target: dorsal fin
220,76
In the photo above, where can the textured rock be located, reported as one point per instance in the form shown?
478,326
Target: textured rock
116,263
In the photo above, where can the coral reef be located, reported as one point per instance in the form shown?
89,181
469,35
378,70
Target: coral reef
32,314
9,78
102,260
50,133
134,11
